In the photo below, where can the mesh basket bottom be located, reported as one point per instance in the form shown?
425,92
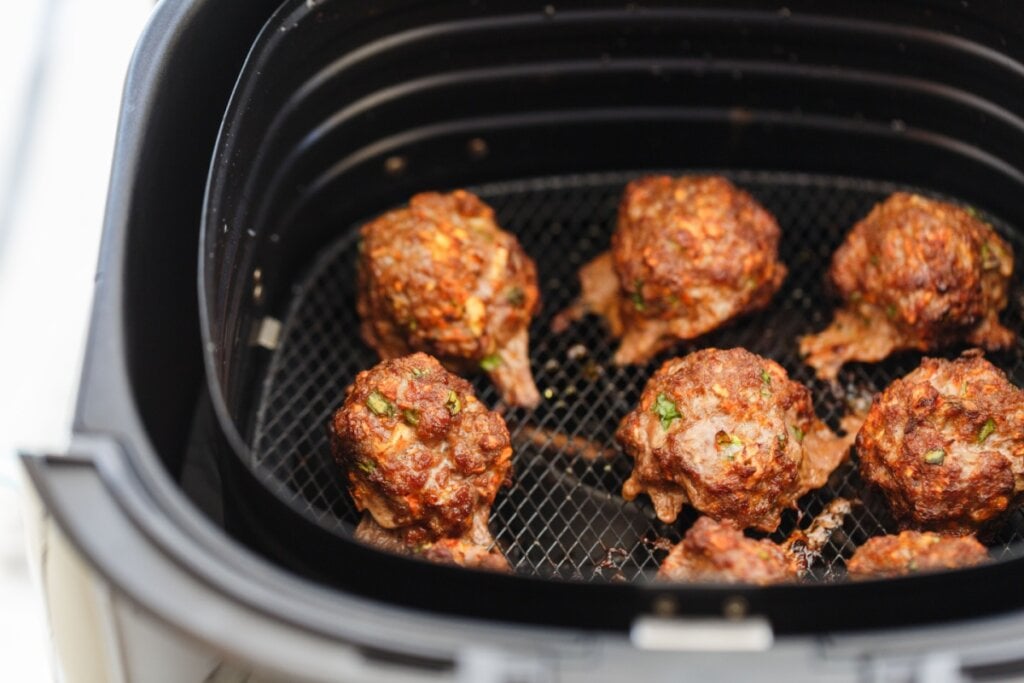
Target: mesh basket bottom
563,516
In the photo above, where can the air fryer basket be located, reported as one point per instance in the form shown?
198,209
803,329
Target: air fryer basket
547,112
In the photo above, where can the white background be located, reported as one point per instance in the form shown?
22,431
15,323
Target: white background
62,65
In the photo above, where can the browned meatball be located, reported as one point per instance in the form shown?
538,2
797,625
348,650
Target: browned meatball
945,444
718,552
913,551
730,433
914,274
440,276
424,459
688,255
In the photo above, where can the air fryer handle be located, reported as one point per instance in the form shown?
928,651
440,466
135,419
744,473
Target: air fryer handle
106,515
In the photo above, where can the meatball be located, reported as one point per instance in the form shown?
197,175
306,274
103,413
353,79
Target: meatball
688,255
718,552
440,276
913,551
424,460
914,274
729,433
945,444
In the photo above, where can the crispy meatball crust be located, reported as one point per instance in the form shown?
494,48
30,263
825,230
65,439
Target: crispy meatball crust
440,276
945,444
730,433
911,552
688,254
914,274
423,457
718,552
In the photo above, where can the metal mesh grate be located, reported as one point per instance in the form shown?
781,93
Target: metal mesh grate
563,516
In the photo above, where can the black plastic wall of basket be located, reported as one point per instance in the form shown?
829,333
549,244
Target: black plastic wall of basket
345,109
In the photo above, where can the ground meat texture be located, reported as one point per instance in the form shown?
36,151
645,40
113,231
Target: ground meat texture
912,552
718,552
688,255
914,274
440,276
424,460
729,433
945,444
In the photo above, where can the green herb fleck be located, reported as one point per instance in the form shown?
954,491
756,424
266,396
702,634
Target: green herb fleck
727,439
990,255
875,260
971,211
986,430
411,416
637,297
729,444
515,296
380,405
856,297
419,372
963,388
890,311
935,456
912,565
491,362
453,404
766,381
798,433
411,325
666,409
367,466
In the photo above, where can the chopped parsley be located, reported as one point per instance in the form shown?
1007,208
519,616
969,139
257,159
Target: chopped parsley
411,416
890,311
637,297
419,372
453,404
665,408
367,466
380,405
875,260
490,362
798,433
986,430
729,444
766,380
935,456
990,255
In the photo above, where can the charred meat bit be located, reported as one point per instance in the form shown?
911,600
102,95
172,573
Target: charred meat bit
688,255
718,552
911,552
945,444
729,433
440,276
425,485
914,274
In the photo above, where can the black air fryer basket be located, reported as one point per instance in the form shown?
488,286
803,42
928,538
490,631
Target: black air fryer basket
343,110
546,113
